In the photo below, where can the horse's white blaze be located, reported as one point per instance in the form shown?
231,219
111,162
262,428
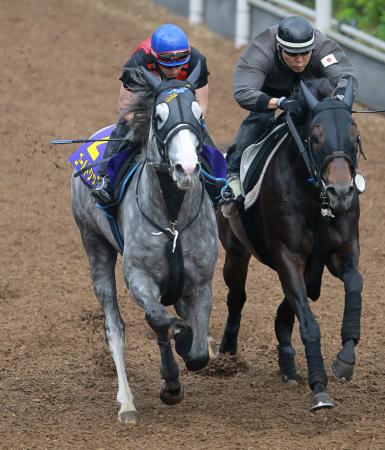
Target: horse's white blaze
183,151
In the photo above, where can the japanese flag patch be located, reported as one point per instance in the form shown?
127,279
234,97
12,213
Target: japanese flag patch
328,60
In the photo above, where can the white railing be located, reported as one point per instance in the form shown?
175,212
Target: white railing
321,16
196,11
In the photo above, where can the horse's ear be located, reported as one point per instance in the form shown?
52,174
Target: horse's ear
152,81
194,75
311,101
349,94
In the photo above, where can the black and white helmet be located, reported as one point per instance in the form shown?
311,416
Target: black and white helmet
295,35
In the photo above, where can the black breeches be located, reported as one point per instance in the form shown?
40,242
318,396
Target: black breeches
249,131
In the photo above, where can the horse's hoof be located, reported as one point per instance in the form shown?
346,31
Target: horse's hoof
195,364
129,417
322,400
289,381
342,370
171,396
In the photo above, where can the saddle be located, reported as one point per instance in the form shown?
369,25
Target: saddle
256,159
92,153
123,165
254,163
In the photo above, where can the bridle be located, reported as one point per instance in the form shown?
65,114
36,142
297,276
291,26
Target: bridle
180,97
325,156
178,121
316,164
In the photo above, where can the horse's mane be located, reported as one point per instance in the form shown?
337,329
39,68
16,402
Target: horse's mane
141,108
319,87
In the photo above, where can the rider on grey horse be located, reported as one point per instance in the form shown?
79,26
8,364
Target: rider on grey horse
269,69
168,55
169,236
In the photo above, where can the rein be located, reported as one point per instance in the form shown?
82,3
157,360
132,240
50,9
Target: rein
293,130
367,111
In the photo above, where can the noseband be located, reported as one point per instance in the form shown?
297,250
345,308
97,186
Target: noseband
316,164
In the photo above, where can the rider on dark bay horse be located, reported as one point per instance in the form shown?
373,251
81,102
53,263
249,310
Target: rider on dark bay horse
269,69
168,55
299,226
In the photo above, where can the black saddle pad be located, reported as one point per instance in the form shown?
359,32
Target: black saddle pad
256,167
250,217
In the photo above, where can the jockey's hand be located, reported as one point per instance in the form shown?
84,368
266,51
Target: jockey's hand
289,105
339,94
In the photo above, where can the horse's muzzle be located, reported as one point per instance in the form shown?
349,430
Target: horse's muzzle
184,175
340,197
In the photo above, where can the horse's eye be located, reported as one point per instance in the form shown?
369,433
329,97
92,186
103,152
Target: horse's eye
315,139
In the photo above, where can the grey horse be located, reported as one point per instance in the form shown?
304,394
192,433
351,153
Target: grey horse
168,121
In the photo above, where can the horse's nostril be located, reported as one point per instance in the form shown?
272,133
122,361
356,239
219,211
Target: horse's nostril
332,190
340,192
179,168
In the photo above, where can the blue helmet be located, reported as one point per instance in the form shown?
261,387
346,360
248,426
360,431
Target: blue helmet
170,45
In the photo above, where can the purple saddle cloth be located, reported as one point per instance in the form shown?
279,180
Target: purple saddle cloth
92,152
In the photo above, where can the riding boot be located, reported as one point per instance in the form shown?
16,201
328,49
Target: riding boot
102,191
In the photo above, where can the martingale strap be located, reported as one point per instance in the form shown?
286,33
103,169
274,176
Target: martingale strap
173,250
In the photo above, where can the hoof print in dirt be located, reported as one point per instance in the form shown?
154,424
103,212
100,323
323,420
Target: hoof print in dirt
225,365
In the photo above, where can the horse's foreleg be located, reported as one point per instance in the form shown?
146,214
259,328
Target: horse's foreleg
199,309
284,322
183,334
102,258
291,276
343,365
146,293
234,273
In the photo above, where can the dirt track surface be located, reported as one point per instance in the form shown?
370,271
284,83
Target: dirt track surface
60,60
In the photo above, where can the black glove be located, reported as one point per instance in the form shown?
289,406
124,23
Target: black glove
289,105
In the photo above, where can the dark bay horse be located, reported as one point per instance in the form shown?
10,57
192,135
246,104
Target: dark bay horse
170,237
304,225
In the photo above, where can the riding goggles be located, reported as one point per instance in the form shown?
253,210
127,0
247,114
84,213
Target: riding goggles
294,54
172,56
